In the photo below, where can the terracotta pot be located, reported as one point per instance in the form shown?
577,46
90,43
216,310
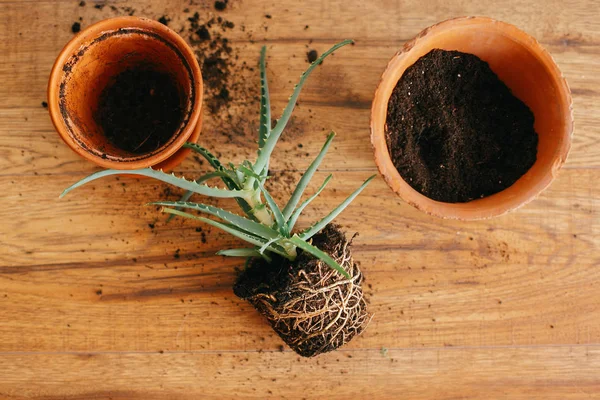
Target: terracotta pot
526,68
90,61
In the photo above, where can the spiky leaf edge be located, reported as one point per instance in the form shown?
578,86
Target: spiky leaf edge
161,176
231,229
264,153
306,177
298,242
310,232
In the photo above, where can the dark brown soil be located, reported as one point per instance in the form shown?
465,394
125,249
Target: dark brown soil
284,292
455,131
312,56
140,110
221,5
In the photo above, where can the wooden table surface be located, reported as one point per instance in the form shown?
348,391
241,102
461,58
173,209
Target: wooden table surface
94,304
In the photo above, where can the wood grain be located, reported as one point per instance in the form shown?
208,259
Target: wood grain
559,372
100,298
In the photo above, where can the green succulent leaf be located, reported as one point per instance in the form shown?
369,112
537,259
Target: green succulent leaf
269,243
307,234
264,153
309,248
280,221
188,193
243,223
308,174
161,176
248,253
248,172
298,211
232,184
212,159
265,103
231,229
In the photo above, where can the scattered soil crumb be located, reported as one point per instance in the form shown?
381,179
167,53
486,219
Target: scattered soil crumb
221,5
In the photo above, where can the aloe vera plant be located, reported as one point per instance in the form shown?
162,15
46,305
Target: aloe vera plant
275,246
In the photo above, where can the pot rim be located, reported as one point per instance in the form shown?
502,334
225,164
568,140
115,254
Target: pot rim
471,210
92,32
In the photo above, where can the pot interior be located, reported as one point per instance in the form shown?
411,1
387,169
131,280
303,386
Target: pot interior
96,64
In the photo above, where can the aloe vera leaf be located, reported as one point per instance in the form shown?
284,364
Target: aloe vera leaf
308,233
243,223
292,221
231,229
188,193
279,220
266,245
264,153
264,130
211,158
161,176
249,172
232,184
297,241
265,102
306,177
248,253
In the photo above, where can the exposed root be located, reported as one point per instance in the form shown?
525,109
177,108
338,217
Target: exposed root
316,309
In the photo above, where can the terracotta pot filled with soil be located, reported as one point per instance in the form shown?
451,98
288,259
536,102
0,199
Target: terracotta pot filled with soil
471,119
126,93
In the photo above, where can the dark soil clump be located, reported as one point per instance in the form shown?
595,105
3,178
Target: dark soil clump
311,307
221,5
140,110
312,56
455,131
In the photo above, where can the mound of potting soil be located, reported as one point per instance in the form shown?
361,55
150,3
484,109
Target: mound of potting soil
455,131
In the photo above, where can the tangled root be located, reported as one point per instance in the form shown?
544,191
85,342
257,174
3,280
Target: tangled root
311,306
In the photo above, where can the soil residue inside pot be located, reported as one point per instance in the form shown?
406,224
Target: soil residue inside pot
140,110
455,131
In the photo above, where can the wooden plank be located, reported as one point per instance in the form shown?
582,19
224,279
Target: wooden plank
96,304
338,95
561,372
527,278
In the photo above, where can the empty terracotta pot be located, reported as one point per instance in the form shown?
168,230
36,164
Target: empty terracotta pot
526,68
91,60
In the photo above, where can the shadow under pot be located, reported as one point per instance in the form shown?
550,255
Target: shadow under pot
126,93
